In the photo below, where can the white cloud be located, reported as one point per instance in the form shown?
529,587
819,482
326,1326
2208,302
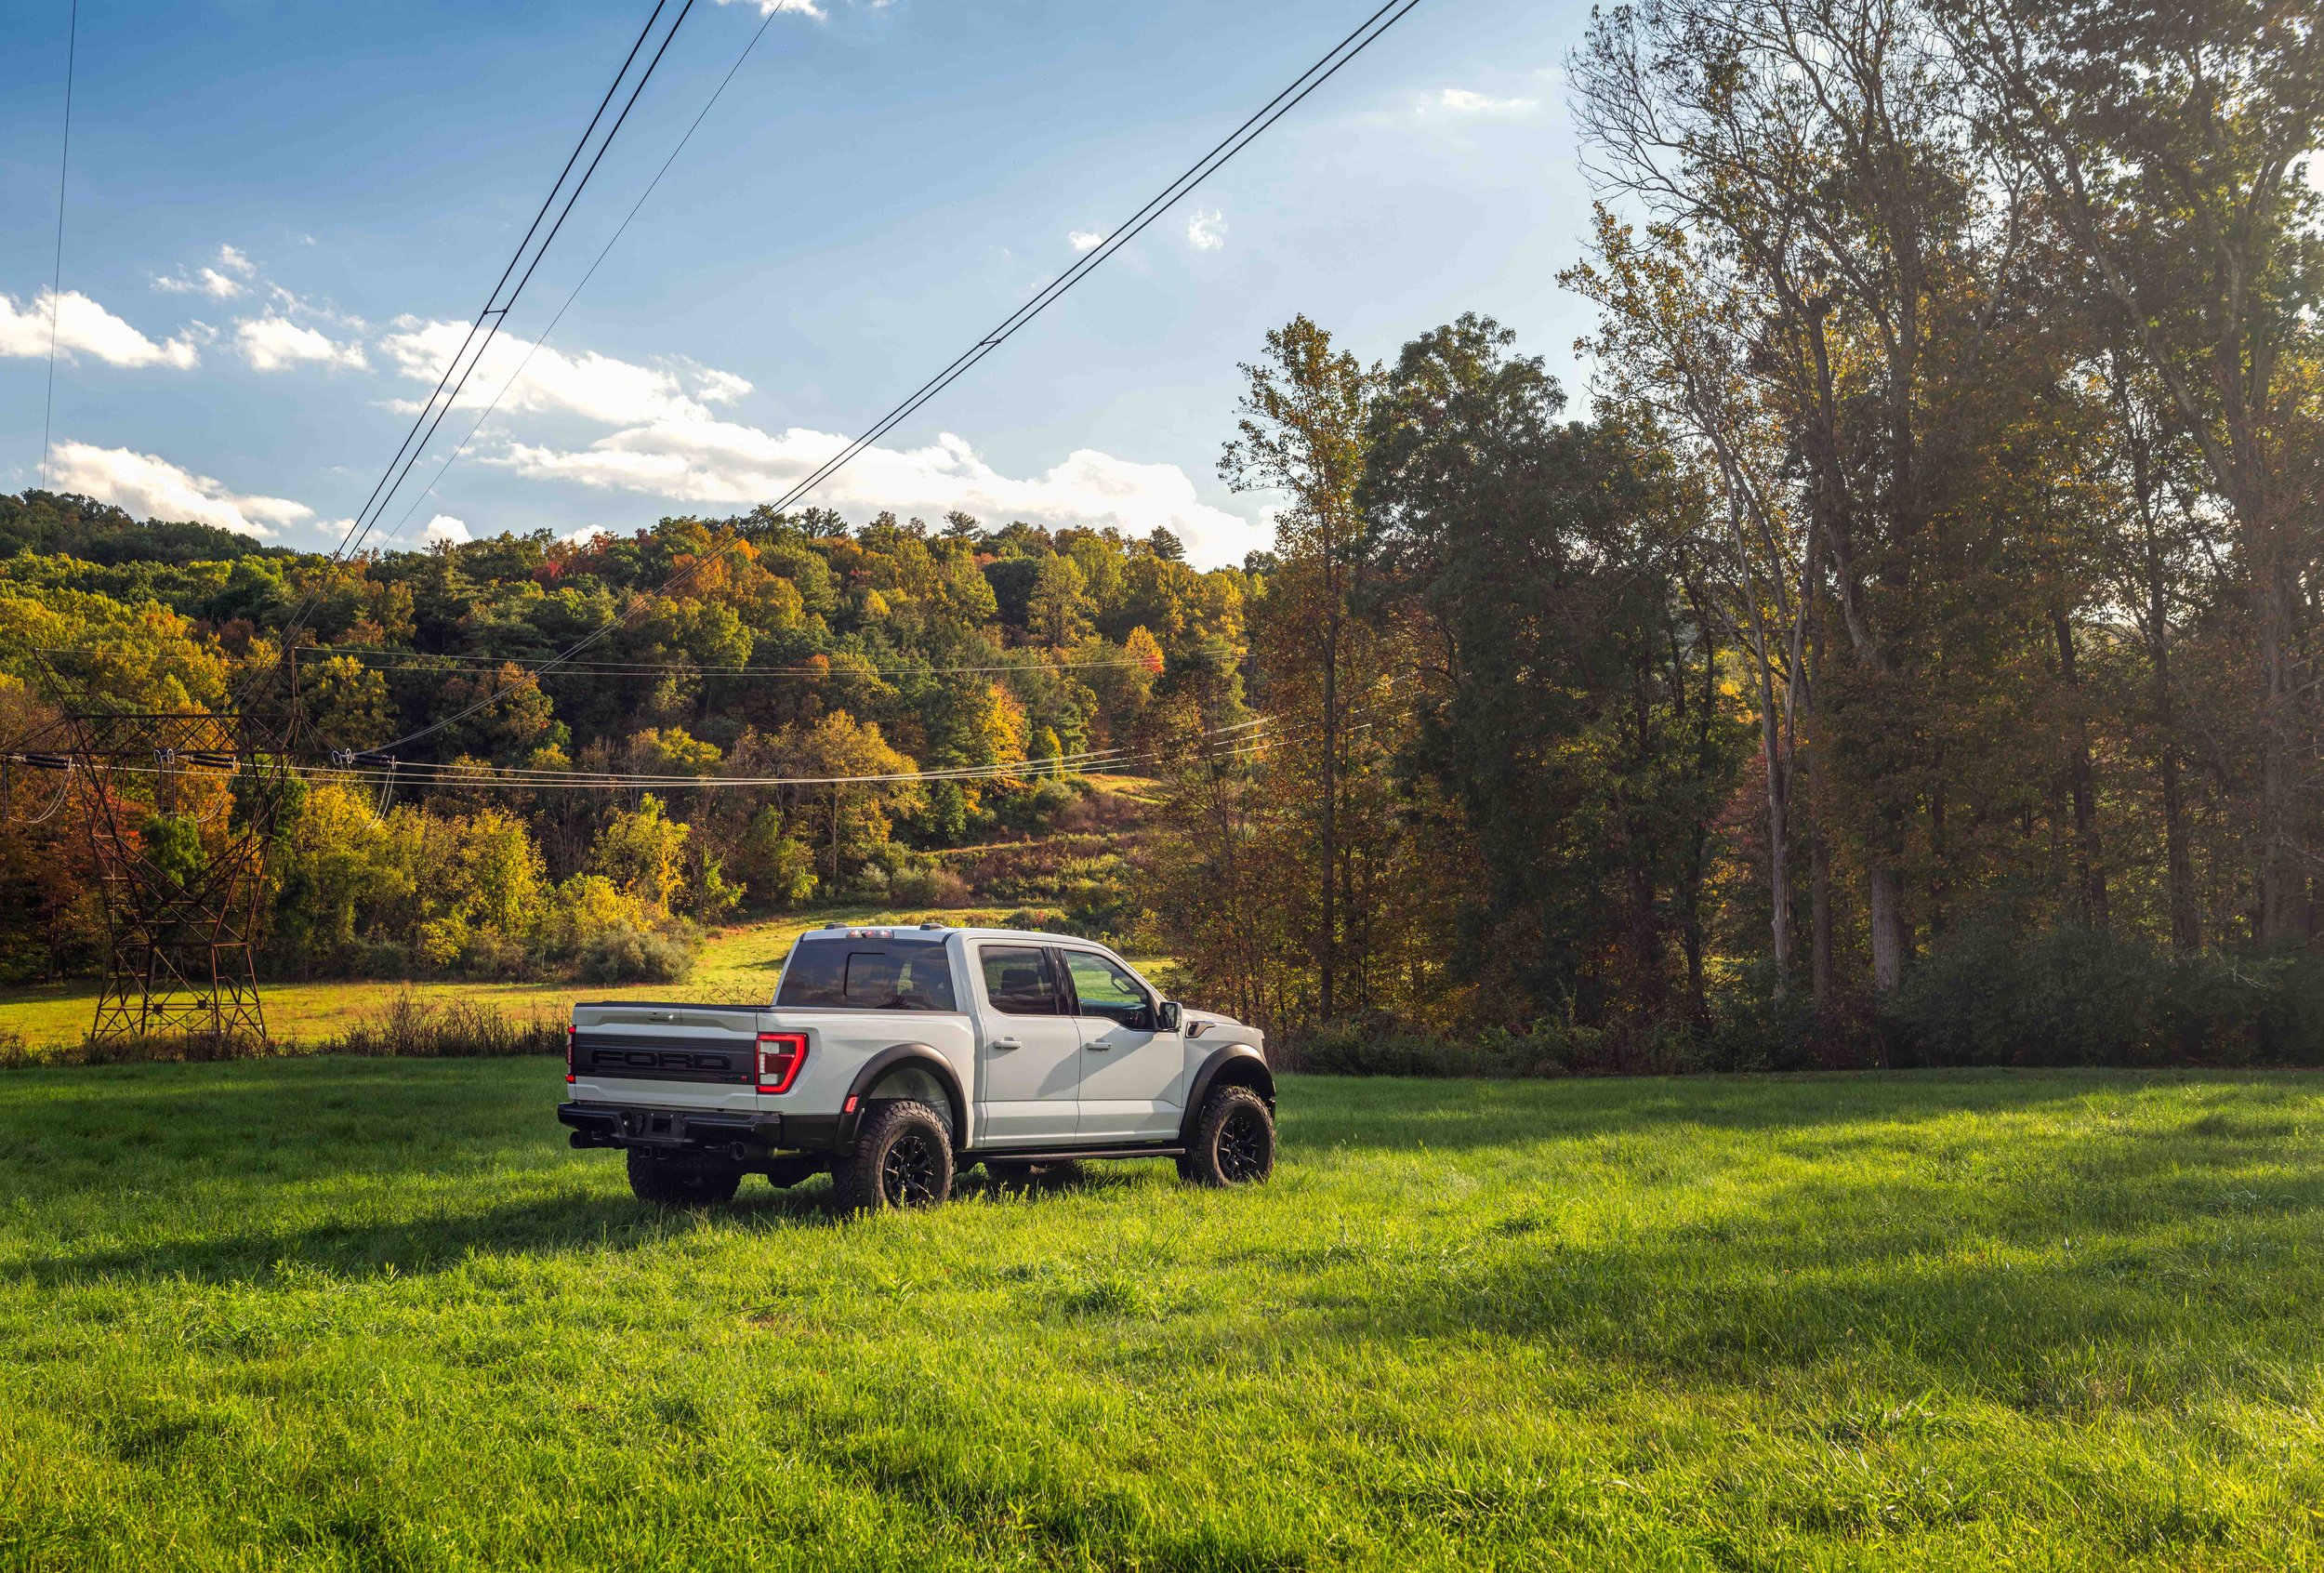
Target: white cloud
1206,229
802,8
85,327
1460,100
209,281
715,461
154,488
286,303
1085,240
444,527
597,386
272,343
711,385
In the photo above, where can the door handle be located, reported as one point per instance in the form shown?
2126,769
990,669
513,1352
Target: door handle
1101,1045
1008,1043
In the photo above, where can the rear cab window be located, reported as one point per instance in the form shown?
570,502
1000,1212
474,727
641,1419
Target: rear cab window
848,972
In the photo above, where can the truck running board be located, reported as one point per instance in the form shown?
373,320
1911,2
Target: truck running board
1065,1154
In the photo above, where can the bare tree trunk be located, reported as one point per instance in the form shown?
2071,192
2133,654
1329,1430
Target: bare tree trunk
2178,868
1884,900
1940,881
1820,970
2283,882
2089,869
1779,862
1328,940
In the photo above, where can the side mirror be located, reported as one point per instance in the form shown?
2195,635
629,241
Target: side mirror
1168,1016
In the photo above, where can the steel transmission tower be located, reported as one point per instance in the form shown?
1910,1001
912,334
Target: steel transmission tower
180,809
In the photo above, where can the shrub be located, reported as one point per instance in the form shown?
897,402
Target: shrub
1754,1026
1379,1045
625,953
1033,919
2076,997
604,934
928,884
1035,809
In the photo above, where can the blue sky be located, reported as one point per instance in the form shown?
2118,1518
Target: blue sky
275,208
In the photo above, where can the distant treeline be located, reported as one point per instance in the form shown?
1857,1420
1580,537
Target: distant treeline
794,646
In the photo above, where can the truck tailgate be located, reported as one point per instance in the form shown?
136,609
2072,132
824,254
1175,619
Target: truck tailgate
675,1055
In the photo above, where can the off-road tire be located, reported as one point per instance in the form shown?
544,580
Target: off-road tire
903,1157
661,1182
1234,1141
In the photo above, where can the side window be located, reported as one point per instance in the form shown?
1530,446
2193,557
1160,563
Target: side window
1017,980
1103,989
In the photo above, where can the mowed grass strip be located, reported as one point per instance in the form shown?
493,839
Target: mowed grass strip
375,1314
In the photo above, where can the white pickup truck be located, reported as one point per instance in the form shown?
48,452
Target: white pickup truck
895,1057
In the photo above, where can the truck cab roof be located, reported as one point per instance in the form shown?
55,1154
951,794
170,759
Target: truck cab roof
931,931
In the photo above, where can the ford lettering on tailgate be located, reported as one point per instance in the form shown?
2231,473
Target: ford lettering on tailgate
662,1060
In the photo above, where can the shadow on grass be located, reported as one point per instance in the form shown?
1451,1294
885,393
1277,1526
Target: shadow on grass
1407,1114
2140,1270
585,1222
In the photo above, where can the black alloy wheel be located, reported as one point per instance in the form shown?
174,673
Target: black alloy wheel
911,1174
1245,1146
903,1157
1234,1141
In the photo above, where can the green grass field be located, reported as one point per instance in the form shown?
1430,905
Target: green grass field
336,1313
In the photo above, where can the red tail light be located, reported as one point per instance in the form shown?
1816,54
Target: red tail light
780,1055
569,1033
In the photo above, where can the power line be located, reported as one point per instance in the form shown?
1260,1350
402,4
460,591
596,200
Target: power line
56,277
623,227
496,311
1242,740
1314,76
833,669
523,779
426,661
1234,740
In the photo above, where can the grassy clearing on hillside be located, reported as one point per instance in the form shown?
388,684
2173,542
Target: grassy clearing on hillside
344,1312
738,963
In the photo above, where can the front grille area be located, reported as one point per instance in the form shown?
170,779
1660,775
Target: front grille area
663,1059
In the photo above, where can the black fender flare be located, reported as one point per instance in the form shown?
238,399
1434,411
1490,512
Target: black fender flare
920,1056
1249,1070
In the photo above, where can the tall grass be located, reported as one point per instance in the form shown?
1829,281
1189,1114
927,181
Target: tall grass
409,1027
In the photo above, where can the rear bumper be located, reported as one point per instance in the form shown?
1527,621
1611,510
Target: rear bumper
743,1136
